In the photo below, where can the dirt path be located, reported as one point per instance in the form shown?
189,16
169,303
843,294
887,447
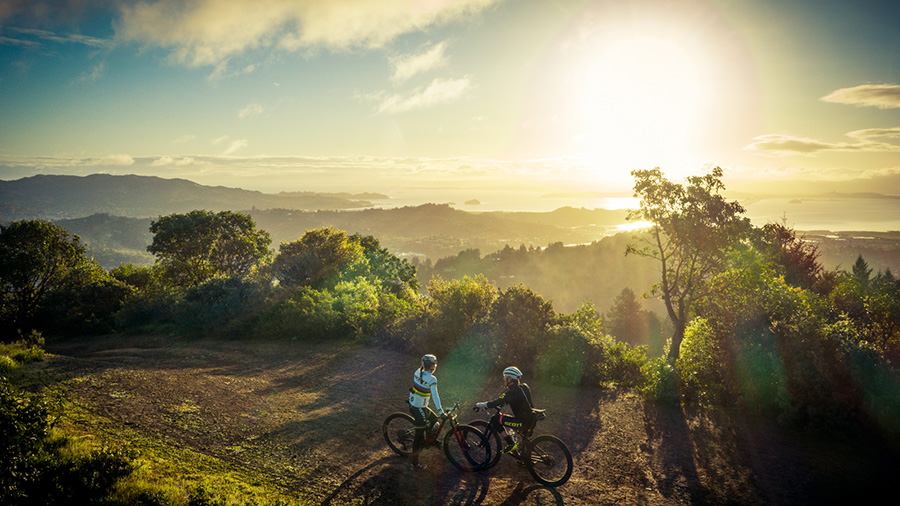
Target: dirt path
309,416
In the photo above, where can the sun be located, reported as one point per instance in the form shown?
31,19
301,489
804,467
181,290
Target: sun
636,102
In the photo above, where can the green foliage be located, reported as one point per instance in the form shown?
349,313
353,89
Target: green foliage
796,259
86,305
662,381
26,351
522,318
39,468
627,321
397,275
564,355
221,306
694,228
701,375
149,311
316,259
302,313
453,307
36,259
195,247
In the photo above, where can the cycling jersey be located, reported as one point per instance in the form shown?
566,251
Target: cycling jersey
519,399
424,388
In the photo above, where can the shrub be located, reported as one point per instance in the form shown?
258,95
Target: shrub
564,357
702,365
662,381
38,468
221,306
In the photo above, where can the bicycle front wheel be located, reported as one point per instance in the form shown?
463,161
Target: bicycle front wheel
493,440
399,432
467,448
550,461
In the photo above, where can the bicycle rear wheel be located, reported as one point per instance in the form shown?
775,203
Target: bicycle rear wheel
493,440
550,461
399,432
467,448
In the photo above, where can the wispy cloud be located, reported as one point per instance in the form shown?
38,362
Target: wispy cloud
235,146
250,110
883,96
407,66
440,91
184,139
93,74
785,145
206,32
30,36
874,133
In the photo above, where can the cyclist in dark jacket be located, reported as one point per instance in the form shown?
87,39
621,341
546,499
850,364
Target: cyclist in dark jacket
518,397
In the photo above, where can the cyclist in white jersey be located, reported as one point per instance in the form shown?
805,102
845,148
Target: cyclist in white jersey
424,388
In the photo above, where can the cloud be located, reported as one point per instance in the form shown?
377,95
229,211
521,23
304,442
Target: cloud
184,139
883,96
235,146
872,133
31,36
250,110
120,160
407,66
206,32
438,92
93,74
785,145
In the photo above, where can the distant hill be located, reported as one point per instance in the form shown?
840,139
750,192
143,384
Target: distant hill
428,231
63,197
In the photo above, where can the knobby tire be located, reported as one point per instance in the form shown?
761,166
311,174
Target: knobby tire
493,440
474,451
550,461
399,432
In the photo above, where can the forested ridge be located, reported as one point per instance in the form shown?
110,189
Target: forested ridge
752,321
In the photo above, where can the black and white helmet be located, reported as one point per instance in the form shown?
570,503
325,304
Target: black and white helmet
512,372
429,360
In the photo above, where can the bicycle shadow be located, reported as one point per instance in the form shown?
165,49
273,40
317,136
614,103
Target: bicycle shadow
388,481
544,495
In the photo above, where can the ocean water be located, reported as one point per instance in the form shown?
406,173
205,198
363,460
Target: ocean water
835,214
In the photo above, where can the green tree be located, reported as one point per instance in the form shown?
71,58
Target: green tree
36,258
861,271
796,258
522,318
316,259
395,273
693,229
625,319
194,247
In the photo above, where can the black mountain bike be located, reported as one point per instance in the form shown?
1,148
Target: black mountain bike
465,446
546,457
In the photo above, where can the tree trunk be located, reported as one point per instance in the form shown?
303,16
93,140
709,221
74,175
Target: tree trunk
677,338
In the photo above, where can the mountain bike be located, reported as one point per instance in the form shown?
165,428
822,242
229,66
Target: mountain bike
465,446
546,457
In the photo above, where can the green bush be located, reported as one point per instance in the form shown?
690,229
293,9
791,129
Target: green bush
662,381
38,468
618,362
702,365
221,306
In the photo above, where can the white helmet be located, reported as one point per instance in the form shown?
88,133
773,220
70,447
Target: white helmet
429,360
512,372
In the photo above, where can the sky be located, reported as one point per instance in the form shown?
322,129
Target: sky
387,95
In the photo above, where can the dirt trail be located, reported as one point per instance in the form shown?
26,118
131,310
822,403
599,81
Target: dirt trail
309,416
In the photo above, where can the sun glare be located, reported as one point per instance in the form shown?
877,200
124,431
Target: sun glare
637,101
